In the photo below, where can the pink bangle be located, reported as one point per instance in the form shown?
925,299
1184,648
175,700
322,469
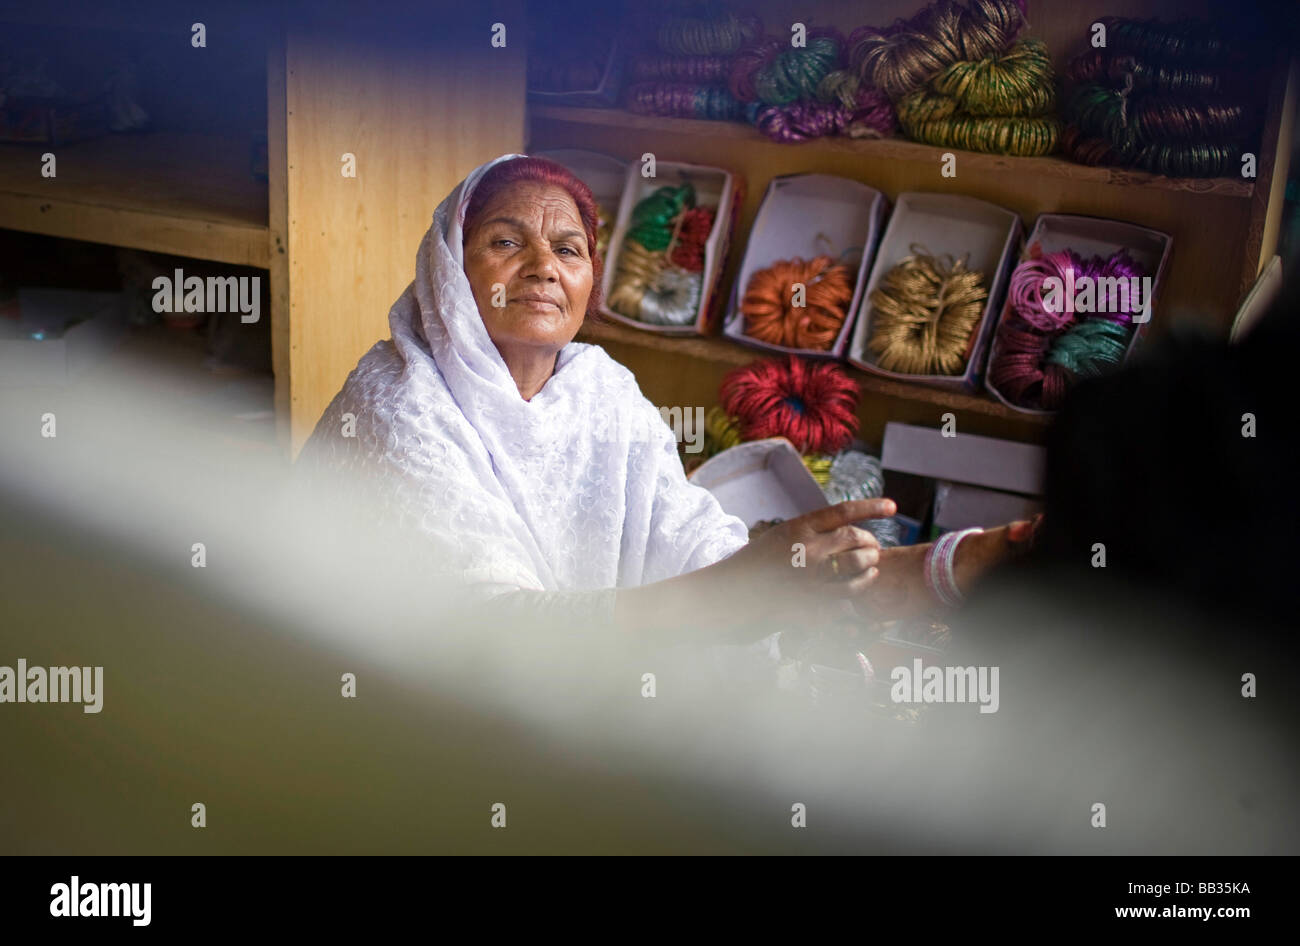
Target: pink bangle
940,577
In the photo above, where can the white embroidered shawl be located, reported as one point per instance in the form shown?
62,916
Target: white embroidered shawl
578,489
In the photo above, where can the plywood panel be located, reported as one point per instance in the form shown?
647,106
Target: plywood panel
419,104
1274,172
277,168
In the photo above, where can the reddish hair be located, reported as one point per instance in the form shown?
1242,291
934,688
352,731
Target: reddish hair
505,175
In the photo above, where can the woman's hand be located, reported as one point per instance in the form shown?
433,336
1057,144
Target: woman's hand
819,554
787,570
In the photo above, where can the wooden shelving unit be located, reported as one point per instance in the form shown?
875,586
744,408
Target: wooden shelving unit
188,194
1218,226
185,189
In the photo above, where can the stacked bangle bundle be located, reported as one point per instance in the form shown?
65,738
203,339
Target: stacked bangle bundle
940,577
959,78
1169,98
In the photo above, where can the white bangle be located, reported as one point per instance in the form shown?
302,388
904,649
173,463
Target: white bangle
939,572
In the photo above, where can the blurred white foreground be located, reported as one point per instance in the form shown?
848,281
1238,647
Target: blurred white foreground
222,685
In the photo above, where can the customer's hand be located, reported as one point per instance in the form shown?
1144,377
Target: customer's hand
901,590
979,554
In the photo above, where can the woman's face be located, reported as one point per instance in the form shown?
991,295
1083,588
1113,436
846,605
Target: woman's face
530,269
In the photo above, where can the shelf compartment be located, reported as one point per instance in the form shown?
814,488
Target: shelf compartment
182,193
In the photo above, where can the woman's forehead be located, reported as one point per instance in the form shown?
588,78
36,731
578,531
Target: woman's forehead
531,202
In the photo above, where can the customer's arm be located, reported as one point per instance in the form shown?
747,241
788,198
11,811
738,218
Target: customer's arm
782,576
901,591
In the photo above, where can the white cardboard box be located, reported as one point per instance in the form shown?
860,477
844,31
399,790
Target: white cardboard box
714,187
1092,236
761,480
960,506
801,214
61,359
966,458
944,224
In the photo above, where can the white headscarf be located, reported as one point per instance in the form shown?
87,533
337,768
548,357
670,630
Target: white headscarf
578,489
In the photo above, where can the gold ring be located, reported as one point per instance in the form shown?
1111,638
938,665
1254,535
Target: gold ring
835,566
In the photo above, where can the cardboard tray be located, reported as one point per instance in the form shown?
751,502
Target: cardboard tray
715,187
945,224
1092,236
761,480
605,95
798,213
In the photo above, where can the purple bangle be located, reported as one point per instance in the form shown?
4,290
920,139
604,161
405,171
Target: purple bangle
940,575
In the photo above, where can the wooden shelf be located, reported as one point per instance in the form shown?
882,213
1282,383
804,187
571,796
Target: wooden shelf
724,351
188,194
899,149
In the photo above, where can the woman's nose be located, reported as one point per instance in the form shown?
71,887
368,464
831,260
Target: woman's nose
541,263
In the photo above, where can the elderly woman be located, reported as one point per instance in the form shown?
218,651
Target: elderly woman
534,464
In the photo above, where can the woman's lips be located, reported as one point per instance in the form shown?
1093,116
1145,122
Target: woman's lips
537,302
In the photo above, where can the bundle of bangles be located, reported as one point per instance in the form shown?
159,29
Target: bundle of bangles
814,406
924,312
1049,338
722,66
1163,97
798,303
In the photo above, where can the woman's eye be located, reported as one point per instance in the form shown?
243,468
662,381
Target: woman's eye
501,241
